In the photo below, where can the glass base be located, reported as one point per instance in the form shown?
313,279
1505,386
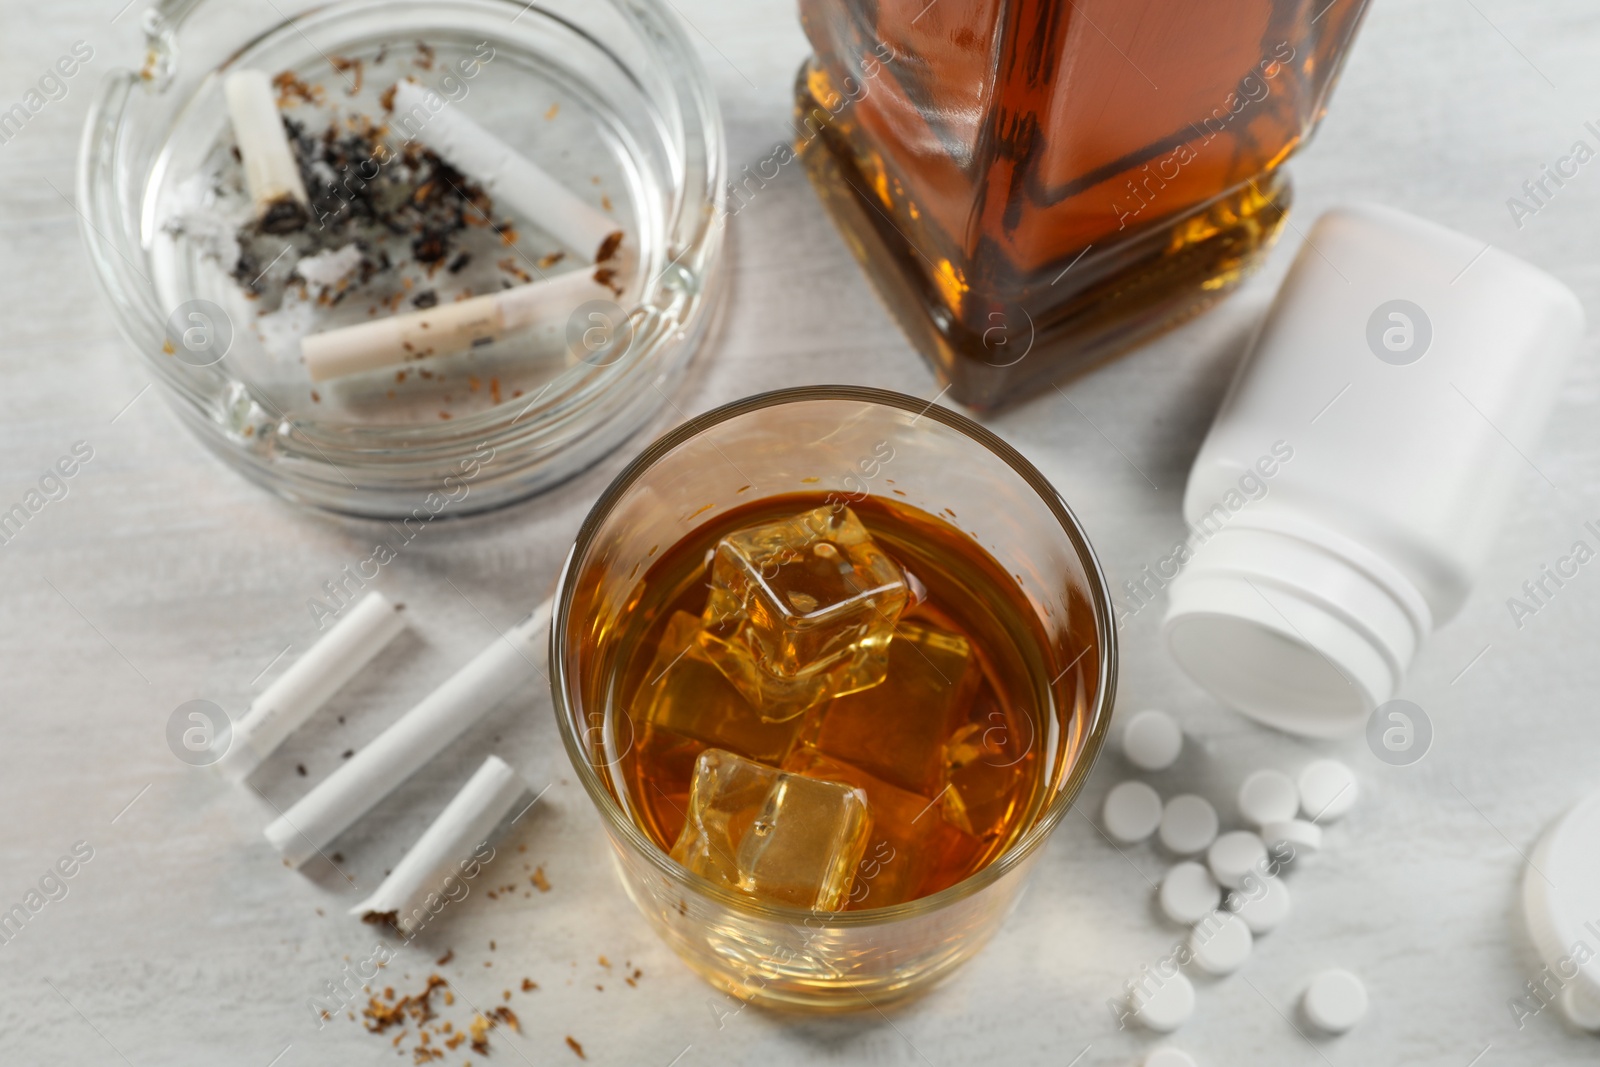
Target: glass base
1088,309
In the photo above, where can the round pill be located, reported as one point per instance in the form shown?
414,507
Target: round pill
1188,893
1167,1056
1335,1001
1221,942
1152,740
1299,837
1263,903
1581,1006
1327,790
1235,855
1132,812
1268,796
1166,1006
1188,824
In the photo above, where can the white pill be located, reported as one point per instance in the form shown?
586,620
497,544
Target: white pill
1188,824
1301,838
1335,1001
1221,942
1167,1056
1152,740
1132,812
1327,790
1263,903
1189,893
1164,1006
1233,856
1268,796
1581,1006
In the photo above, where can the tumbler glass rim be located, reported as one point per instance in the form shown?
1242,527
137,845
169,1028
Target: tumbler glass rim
1026,843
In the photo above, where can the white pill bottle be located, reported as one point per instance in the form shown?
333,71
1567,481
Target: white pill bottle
1360,465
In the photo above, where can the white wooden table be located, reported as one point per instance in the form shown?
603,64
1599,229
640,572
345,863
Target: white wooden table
163,577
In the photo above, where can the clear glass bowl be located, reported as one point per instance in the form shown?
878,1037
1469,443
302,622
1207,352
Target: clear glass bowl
812,440
607,95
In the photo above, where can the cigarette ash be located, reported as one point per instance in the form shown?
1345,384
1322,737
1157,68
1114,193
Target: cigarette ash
404,211
390,226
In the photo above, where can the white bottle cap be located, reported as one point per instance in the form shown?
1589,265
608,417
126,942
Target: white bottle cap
1561,898
1279,613
1294,625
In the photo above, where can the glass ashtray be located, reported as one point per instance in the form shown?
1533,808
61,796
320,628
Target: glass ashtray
218,298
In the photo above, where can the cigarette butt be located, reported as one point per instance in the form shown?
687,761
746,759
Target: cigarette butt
447,328
448,844
270,172
415,738
309,682
504,173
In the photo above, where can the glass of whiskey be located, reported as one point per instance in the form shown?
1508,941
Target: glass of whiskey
832,663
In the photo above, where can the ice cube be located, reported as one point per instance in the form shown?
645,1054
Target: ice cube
897,730
684,693
779,837
802,609
911,849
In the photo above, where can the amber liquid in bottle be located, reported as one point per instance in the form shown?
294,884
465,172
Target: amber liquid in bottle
951,749
1034,185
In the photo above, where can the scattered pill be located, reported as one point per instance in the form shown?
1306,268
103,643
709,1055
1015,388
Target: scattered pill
1152,740
1188,893
1221,942
1132,812
1263,903
1327,790
1167,1006
1581,1006
1267,797
1234,855
1300,837
1188,824
1335,1001
1167,1056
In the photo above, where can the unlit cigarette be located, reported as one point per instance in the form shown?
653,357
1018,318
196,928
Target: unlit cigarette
309,682
448,328
270,171
420,734
504,173
461,827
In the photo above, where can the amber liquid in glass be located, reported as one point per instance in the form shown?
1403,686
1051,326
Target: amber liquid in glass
1037,184
950,748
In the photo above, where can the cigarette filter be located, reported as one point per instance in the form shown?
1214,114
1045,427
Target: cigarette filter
270,172
446,329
